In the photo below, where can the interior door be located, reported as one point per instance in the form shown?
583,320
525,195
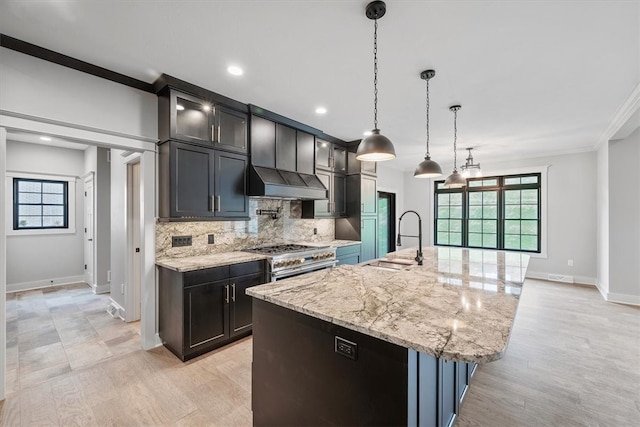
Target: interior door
89,249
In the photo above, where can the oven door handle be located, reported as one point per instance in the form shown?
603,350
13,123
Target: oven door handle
321,265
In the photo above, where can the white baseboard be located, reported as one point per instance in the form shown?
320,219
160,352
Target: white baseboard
622,298
101,289
41,284
562,278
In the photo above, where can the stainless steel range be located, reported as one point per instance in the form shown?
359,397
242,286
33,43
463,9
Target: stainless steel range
289,260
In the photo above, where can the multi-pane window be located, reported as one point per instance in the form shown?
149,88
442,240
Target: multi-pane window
449,218
500,212
40,204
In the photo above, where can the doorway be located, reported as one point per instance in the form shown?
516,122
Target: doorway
88,231
386,222
132,296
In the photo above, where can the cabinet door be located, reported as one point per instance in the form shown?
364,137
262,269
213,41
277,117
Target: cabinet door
368,195
230,185
206,315
191,184
339,195
352,259
305,154
192,119
241,318
323,154
321,207
368,239
339,159
285,147
230,130
263,142
448,396
369,167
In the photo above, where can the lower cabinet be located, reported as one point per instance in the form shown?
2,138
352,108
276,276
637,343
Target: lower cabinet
205,309
348,255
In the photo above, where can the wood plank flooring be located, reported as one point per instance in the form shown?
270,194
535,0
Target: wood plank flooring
573,360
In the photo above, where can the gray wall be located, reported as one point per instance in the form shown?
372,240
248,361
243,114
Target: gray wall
602,214
36,260
624,218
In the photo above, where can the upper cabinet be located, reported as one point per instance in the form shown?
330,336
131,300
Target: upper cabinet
202,120
331,156
360,167
279,146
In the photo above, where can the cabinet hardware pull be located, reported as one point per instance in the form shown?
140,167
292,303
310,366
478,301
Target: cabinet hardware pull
233,293
218,140
213,133
213,204
362,207
218,200
227,289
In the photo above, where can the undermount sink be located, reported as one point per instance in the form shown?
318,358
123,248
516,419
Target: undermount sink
390,264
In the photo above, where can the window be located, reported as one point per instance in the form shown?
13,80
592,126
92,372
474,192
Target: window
40,204
501,212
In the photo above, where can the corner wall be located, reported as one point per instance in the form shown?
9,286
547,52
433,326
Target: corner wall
41,260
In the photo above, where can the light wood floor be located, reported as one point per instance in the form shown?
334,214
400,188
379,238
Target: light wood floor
573,360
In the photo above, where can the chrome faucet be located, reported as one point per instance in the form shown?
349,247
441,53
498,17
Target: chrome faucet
419,256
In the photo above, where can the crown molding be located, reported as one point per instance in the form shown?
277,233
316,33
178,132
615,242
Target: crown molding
620,117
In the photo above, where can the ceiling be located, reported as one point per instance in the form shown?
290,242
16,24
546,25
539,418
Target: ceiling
533,78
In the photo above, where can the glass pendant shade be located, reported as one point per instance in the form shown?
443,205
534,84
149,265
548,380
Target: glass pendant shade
455,180
375,148
427,169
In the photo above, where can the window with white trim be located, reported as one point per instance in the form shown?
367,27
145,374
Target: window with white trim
498,212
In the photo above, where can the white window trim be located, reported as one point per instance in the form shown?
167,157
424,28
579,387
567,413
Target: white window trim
71,193
544,172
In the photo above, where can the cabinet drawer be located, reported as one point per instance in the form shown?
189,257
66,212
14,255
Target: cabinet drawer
348,250
246,268
208,275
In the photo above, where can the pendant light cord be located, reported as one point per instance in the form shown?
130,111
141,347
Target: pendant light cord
455,139
427,155
375,74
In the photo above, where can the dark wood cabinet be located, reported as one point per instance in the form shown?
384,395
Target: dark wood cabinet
202,121
200,182
305,154
205,309
275,145
355,166
336,205
230,185
331,156
285,148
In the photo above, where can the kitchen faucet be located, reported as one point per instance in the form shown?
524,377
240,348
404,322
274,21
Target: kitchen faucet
419,256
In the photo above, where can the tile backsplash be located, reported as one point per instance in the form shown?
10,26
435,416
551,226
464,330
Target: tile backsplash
235,235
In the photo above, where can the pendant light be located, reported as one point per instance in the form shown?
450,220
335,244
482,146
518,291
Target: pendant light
455,180
469,169
375,147
427,168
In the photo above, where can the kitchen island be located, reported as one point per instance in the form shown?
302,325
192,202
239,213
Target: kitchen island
392,343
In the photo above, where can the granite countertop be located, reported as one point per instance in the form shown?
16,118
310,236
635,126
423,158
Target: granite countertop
200,262
460,305
333,243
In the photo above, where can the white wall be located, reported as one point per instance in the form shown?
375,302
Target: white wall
118,227
602,215
624,219
43,89
418,197
36,260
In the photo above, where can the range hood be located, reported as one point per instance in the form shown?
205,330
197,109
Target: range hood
277,183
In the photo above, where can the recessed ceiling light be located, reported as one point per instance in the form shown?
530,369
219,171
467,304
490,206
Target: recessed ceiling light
45,138
367,133
235,70
321,110
179,107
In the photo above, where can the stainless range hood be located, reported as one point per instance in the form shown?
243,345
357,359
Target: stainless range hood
277,183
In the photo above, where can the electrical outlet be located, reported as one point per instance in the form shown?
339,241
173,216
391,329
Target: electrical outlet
315,230
181,241
122,288
570,263
109,276
211,239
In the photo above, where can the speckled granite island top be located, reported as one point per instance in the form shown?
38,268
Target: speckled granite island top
460,305
200,262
